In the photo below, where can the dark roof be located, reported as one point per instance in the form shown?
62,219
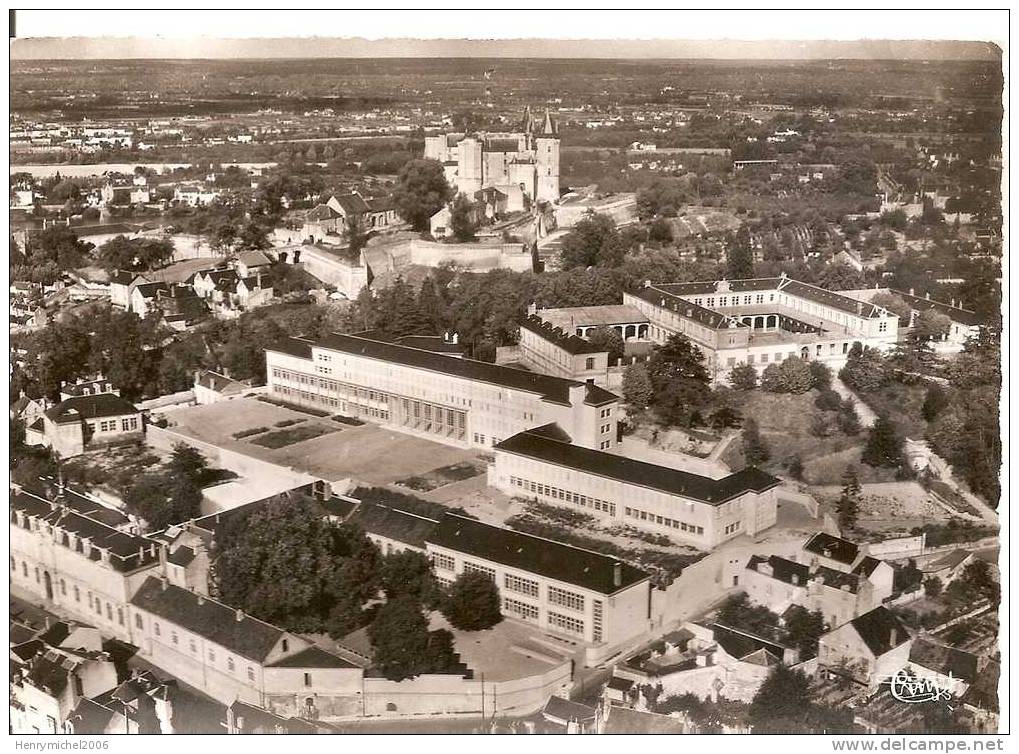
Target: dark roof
785,570
258,720
338,506
313,657
630,471
90,717
352,204
551,388
127,551
877,629
391,522
90,407
557,708
93,386
943,659
568,342
219,382
551,431
50,671
830,298
835,548
739,643
20,633
321,212
435,343
150,290
502,145
248,637
867,566
659,296
954,313
182,556
553,560
631,721
102,230
620,684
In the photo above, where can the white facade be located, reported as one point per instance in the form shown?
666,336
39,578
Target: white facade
456,401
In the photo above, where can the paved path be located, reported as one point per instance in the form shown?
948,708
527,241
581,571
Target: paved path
864,412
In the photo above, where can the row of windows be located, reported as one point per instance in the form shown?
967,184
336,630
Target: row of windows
565,598
556,493
470,567
520,609
566,623
757,298
110,425
664,521
94,603
444,562
520,585
231,665
733,528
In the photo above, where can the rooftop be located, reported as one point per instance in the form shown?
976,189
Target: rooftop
943,659
393,523
832,547
570,343
542,447
90,407
555,389
222,625
553,560
572,317
880,630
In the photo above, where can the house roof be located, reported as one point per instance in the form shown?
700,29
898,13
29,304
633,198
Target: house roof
313,657
553,560
829,546
663,296
943,659
541,447
880,630
559,709
740,643
630,721
502,145
983,694
952,559
254,258
352,204
570,343
90,717
182,556
954,313
788,571
867,566
258,720
219,382
90,407
391,522
321,212
555,389
214,621
586,316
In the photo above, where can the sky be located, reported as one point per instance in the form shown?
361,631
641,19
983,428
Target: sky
322,47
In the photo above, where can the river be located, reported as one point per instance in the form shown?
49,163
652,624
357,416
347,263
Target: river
87,171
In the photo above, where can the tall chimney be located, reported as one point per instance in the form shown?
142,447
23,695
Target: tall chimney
239,615
893,636
617,574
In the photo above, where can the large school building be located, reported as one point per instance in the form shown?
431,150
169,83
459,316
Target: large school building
700,511
762,321
456,401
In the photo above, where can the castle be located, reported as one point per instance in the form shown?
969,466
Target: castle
521,166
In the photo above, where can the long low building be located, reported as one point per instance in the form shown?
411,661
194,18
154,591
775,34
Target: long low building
762,321
456,401
542,464
560,588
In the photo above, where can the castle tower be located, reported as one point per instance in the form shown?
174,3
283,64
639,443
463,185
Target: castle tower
470,167
547,161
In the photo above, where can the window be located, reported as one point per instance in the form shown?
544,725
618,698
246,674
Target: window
444,562
230,664
520,585
24,568
138,622
285,645
307,679
589,363
566,623
520,609
77,594
63,587
212,655
193,647
251,674
476,568
596,621
109,611
882,327
173,637
155,627
565,598
129,425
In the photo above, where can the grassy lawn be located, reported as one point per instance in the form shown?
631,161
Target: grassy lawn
902,404
440,477
284,437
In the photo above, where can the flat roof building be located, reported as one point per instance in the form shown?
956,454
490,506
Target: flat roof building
456,401
542,464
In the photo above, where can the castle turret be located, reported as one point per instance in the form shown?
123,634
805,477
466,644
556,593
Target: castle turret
547,158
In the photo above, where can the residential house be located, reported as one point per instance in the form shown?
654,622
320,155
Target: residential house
868,649
122,283
140,705
947,667
194,195
548,349
948,566
213,387
82,422
253,262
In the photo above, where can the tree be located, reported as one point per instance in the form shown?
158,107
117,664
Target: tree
187,463
740,256
421,190
123,253
884,445
463,218
894,304
934,402
848,506
355,234
472,602
607,339
847,418
399,637
254,235
755,451
791,376
743,377
593,241
805,627
864,369
933,586
780,702
162,500
679,379
820,375
409,573
931,324
841,277
637,389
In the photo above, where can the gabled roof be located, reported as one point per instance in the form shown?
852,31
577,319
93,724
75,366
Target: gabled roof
867,566
391,522
254,258
90,407
943,659
321,212
570,343
219,382
829,546
541,447
90,717
788,571
739,643
557,708
352,204
313,657
880,630
954,313
544,557
214,621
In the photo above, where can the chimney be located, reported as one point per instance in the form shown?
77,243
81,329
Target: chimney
827,553
163,582
796,579
912,291
927,295
239,615
893,637
617,574
201,599
647,283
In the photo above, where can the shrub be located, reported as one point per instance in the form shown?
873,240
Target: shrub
472,603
